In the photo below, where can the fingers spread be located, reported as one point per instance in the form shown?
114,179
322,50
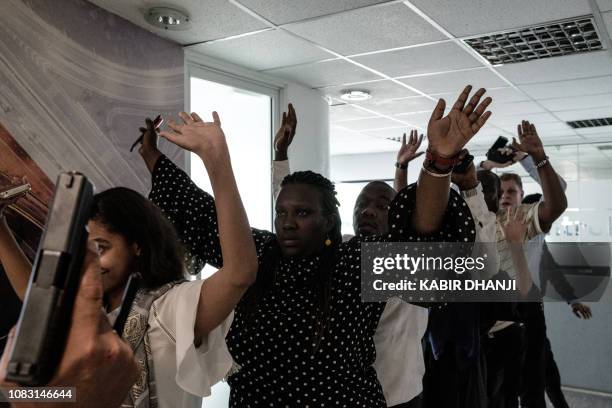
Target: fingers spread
474,102
216,118
438,111
481,121
462,98
175,126
196,117
187,119
171,137
481,108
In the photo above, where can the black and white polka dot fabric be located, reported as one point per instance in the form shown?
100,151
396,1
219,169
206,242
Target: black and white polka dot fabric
277,363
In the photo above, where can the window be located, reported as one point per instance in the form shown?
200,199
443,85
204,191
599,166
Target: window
247,111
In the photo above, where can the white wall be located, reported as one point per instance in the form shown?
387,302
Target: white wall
310,147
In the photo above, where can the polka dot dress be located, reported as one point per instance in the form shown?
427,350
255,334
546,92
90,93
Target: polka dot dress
278,363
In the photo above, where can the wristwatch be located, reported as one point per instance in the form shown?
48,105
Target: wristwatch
472,192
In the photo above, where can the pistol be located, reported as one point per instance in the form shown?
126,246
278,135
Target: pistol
47,309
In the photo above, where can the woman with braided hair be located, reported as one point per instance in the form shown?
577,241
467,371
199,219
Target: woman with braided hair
301,335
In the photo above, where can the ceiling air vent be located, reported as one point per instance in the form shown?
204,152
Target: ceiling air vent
590,123
542,41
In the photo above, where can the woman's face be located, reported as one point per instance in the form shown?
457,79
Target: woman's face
117,256
301,226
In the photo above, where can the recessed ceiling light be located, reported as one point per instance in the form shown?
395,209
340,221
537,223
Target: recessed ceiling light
355,96
167,18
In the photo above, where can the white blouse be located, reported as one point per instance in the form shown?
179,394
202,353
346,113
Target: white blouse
183,373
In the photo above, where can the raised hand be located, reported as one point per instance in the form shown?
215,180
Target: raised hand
529,141
285,133
514,226
408,151
581,311
203,138
449,134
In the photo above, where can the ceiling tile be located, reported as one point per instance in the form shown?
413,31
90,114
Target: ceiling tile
269,49
499,95
371,123
567,140
470,17
600,131
559,68
578,102
371,29
599,137
511,121
345,142
604,5
340,113
418,119
405,105
210,20
581,114
420,60
589,86
287,11
378,89
607,17
455,81
389,133
321,74
524,108
554,130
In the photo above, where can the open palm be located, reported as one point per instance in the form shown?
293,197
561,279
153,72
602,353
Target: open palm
408,151
449,134
196,135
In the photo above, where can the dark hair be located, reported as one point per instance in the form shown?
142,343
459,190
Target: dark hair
489,181
382,184
512,177
532,198
321,282
127,213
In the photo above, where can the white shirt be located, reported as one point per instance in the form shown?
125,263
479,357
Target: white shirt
183,373
399,363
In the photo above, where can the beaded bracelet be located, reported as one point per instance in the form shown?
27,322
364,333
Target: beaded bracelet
438,175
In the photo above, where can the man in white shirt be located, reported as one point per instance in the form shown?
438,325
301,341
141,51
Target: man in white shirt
506,337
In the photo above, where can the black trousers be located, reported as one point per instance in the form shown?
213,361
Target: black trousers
504,352
553,379
413,403
453,381
533,378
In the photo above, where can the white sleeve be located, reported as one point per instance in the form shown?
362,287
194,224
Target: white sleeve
486,232
483,218
531,168
280,169
197,369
